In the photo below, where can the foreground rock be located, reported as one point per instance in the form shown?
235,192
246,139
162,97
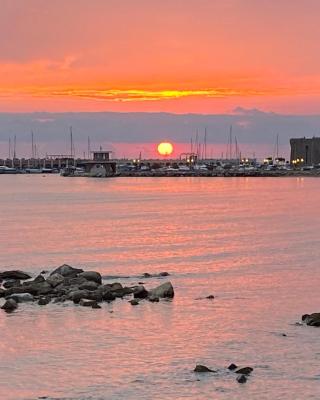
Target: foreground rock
311,319
164,290
21,297
14,274
10,305
202,368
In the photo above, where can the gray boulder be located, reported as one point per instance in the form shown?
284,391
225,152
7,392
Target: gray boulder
21,297
77,295
55,279
11,283
65,270
164,290
89,285
140,292
14,274
10,305
91,276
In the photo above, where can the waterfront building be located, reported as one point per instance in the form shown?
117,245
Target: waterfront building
305,151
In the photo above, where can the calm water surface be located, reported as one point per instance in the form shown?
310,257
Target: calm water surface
253,243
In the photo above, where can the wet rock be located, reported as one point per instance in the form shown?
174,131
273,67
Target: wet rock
311,319
15,274
10,305
89,285
244,371
55,280
67,271
232,367
77,295
108,296
39,279
11,283
96,305
122,292
87,303
21,297
115,286
140,292
134,302
146,275
95,295
2,292
42,288
164,290
242,379
91,276
210,297
202,368
154,299
44,300
43,272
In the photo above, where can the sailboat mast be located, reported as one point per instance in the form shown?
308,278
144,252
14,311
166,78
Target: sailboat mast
71,142
14,146
205,143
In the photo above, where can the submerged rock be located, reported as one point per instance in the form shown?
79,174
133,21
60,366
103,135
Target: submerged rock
10,305
232,367
242,379
202,368
14,274
164,290
134,302
67,271
311,319
244,371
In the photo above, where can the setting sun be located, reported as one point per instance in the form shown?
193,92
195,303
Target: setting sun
165,148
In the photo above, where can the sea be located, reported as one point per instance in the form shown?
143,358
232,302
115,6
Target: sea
252,243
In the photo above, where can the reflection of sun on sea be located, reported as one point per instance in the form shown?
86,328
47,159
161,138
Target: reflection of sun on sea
165,149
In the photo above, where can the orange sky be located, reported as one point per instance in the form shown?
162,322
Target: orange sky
179,56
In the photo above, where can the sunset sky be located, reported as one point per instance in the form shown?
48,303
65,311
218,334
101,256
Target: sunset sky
180,56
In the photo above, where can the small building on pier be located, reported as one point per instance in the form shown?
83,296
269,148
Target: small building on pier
100,165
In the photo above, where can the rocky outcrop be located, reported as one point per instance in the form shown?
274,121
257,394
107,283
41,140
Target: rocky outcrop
66,283
164,290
